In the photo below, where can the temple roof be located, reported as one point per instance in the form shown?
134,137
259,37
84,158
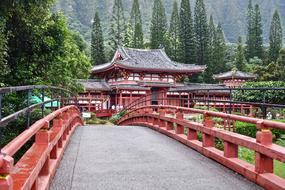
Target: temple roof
201,88
154,60
94,85
234,74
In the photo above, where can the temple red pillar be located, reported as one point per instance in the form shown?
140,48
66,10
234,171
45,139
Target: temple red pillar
121,99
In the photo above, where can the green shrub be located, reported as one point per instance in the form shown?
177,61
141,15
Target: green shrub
246,129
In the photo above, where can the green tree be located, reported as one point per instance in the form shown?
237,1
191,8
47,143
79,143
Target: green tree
117,29
3,50
240,60
136,23
202,37
97,42
275,38
250,41
219,50
128,38
258,41
158,27
186,34
174,34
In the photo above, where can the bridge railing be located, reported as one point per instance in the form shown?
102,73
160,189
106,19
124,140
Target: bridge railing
58,96
185,131
226,105
37,166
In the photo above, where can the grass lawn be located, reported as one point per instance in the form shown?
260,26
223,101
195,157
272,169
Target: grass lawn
248,156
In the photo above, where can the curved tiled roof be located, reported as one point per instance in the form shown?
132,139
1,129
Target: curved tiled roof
154,60
234,75
94,85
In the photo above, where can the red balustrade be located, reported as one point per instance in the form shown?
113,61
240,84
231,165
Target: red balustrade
265,151
37,166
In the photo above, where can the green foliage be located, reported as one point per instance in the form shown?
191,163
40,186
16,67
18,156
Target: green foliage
117,116
172,49
254,34
275,37
202,38
274,97
246,129
158,25
97,42
136,23
118,25
240,60
3,49
186,34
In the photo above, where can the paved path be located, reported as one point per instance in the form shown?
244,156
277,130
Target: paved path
123,158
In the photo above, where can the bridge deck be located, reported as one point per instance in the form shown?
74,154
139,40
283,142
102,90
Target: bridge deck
138,158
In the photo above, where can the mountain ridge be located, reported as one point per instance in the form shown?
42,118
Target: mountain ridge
230,13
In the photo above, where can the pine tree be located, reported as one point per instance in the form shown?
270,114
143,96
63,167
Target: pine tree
258,41
250,32
97,42
219,49
158,25
202,37
174,34
240,60
187,37
275,38
136,23
117,30
128,37
212,32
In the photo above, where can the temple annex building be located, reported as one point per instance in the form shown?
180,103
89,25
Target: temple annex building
135,73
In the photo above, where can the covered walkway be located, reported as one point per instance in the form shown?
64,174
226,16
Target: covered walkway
123,158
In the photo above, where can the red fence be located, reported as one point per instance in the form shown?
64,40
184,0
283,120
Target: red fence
265,151
37,166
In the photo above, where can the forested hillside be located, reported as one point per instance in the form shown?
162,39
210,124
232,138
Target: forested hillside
230,13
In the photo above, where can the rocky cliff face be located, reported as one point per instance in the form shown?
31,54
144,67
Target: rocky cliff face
230,13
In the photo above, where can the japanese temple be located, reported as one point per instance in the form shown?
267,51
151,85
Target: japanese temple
135,73
234,78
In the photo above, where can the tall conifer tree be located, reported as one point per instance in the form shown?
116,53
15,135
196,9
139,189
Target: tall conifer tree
258,43
136,23
240,58
187,37
158,27
250,31
275,38
219,50
174,33
118,25
202,38
97,42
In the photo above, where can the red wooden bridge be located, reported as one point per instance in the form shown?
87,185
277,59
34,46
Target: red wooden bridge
137,158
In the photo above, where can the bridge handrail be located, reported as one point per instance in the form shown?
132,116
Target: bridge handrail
39,162
261,172
17,143
6,90
265,123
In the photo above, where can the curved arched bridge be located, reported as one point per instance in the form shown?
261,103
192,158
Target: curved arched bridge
153,147
139,158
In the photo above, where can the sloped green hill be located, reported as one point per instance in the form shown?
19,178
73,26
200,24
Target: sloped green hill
231,13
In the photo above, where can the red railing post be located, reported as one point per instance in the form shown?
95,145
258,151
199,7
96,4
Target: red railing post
169,126
192,134
179,128
230,150
208,140
43,138
6,166
162,114
263,163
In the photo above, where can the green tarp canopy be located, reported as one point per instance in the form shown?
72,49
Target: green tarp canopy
35,100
